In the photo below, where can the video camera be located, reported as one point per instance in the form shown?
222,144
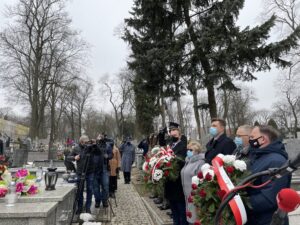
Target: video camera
92,147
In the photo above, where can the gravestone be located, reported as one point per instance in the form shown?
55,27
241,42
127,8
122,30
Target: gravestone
20,156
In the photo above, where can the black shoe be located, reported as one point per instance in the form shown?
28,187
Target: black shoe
88,211
164,207
112,195
97,205
169,213
78,211
153,196
158,201
105,204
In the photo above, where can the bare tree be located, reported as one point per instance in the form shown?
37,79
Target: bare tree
35,47
119,93
288,16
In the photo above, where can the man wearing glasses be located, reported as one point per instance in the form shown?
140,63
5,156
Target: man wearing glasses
266,151
242,141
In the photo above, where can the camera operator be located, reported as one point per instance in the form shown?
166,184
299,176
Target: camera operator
82,152
102,172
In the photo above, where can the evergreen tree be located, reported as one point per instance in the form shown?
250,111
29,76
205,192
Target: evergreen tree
149,31
225,51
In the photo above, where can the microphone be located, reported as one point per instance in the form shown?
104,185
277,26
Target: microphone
288,200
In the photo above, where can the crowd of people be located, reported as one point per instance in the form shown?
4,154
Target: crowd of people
260,147
98,162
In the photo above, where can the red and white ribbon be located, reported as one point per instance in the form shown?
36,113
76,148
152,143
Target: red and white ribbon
236,204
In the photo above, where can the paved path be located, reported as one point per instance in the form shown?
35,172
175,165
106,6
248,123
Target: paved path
131,209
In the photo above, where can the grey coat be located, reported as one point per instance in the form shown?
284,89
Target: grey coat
190,169
127,151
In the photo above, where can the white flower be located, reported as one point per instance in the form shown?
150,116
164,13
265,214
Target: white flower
240,165
6,176
221,156
158,174
152,161
229,159
195,180
145,166
205,167
168,158
155,150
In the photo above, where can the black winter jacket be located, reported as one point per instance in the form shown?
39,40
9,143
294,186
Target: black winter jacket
263,200
223,145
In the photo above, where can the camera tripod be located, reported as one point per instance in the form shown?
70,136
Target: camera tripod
81,188
80,185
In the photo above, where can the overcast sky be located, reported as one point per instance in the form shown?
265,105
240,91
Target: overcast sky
98,19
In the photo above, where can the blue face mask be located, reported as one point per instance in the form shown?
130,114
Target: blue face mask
189,154
213,131
238,141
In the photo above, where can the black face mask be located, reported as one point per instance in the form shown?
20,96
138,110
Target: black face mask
254,143
174,139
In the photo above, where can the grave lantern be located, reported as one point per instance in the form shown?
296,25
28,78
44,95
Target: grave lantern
51,179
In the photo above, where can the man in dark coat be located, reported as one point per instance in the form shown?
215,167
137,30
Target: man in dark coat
80,154
266,152
220,143
101,180
144,144
173,189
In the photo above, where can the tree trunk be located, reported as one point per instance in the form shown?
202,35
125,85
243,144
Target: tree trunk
203,60
163,111
212,101
180,114
196,112
52,127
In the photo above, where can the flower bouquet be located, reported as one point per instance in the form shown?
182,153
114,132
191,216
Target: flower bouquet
4,176
209,188
25,183
160,167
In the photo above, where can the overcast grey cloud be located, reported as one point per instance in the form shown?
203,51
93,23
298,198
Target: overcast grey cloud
97,21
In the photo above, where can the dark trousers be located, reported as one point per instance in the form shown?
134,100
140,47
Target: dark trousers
127,177
179,213
101,185
113,184
89,181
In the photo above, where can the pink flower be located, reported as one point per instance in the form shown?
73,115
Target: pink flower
221,193
3,192
166,173
200,175
230,169
32,190
197,222
188,214
208,177
194,186
21,173
202,193
190,199
19,187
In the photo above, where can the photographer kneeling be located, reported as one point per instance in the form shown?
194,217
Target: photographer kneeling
82,152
